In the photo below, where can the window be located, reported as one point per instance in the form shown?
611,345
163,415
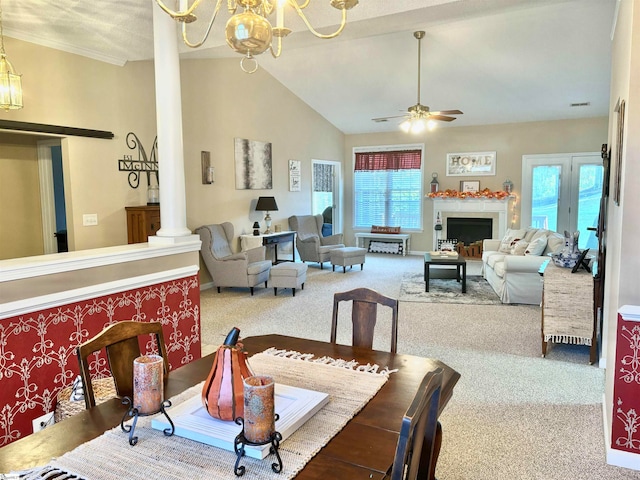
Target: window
388,187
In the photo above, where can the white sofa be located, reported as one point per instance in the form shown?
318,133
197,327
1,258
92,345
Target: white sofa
512,273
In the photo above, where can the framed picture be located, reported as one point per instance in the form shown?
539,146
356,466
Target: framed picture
619,144
471,164
253,164
469,186
294,176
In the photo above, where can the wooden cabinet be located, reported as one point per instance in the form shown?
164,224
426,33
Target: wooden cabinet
142,222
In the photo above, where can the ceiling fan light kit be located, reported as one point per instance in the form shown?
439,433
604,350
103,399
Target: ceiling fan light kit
418,117
249,31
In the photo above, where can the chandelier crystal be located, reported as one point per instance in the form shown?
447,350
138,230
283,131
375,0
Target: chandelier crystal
249,31
10,81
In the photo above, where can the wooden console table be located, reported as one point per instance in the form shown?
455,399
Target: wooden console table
248,242
567,309
403,238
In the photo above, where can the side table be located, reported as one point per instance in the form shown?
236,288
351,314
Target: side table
251,241
567,309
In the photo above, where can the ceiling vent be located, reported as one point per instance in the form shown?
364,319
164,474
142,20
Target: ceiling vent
581,104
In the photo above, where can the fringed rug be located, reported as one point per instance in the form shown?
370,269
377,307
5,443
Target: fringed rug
445,290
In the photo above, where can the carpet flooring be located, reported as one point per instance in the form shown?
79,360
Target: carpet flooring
444,290
513,414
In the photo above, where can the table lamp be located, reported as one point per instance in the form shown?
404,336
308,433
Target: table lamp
267,204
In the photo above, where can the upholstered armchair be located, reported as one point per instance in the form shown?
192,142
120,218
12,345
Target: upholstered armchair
312,246
244,269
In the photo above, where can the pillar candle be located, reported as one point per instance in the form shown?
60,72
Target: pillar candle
148,391
259,414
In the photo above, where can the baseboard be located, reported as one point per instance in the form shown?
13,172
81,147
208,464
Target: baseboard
616,457
206,286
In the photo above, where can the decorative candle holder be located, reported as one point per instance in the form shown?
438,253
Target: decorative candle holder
258,424
148,394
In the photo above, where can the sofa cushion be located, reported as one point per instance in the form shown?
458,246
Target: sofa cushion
520,247
494,258
510,238
555,243
537,246
498,268
532,233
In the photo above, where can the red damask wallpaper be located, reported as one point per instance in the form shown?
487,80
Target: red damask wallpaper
625,429
37,350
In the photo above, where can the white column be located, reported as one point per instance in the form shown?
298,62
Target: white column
173,209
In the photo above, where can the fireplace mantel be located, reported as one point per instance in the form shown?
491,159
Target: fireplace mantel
475,207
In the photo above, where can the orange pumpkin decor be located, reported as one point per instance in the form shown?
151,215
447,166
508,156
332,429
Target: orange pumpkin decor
223,392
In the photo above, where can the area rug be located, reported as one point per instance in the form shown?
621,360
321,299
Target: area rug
441,290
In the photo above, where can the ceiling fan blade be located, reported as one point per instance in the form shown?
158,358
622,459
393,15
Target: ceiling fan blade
382,119
442,118
447,112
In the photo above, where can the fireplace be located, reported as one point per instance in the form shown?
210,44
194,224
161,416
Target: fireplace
472,208
468,230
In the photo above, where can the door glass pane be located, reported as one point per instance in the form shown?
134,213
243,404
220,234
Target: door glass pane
589,193
545,189
323,201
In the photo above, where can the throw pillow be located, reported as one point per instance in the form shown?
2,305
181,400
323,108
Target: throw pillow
519,247
509,239
537,246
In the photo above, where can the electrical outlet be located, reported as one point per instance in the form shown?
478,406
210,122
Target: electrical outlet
89,219
43,422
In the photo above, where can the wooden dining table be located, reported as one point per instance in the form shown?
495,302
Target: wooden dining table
364,448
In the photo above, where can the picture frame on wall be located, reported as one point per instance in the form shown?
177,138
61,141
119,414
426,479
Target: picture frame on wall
471,164
619,145
253,164
469,186
294,176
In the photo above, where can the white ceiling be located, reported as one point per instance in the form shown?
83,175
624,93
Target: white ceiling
498,61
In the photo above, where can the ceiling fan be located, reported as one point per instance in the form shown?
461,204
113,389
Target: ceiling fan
418,116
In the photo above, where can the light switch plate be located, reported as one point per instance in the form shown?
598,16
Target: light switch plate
89,219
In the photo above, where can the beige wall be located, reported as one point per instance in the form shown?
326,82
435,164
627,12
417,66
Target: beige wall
19,197
623,224
509,141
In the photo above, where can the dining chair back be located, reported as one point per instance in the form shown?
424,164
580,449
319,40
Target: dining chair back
122,347
364,315
418,439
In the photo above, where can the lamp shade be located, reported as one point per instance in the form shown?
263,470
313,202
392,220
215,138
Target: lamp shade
267,204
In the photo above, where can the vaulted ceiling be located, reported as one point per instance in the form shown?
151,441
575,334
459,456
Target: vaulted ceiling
499,61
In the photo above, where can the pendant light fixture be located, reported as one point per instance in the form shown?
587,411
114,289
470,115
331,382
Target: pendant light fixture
10,82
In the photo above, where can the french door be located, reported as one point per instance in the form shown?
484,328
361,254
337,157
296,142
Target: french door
562,192
326,180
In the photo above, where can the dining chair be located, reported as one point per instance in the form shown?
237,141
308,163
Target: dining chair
121,343
364,315
417,443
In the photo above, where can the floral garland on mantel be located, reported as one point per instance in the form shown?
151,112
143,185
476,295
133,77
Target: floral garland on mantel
486,193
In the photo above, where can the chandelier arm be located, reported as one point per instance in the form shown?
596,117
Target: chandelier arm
304,5
277,53
299,8
206,33
178,14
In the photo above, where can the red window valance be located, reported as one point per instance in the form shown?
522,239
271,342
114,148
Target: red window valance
393,160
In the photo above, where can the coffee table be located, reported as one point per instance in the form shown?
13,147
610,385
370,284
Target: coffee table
459,262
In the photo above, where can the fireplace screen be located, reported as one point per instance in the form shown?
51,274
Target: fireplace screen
469,230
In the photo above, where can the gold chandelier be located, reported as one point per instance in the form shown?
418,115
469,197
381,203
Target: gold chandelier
10,82
249,31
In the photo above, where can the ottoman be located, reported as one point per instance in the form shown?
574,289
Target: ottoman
347,257
288,275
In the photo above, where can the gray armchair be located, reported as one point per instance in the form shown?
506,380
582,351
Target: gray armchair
244,269
312,246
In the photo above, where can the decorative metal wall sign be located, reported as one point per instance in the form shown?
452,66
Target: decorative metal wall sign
142,164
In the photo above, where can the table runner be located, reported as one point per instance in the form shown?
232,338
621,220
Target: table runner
349,385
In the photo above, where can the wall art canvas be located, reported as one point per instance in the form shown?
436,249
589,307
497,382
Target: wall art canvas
471,164
253,165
